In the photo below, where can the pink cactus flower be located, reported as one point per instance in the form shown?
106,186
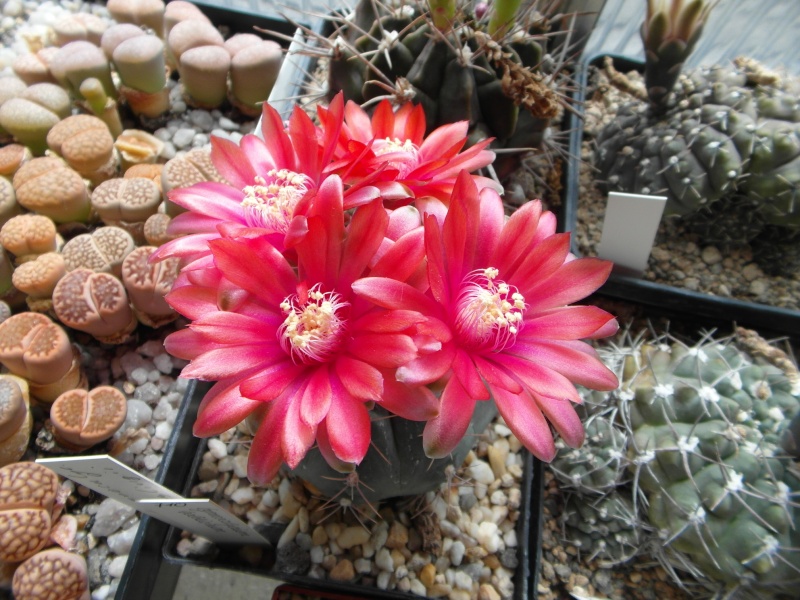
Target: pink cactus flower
393,143
272,181
501,290
294,347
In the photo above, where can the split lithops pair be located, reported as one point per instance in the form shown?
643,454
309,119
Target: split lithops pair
30,517
485,66
722,143
206,62
82,419
16,421
707,479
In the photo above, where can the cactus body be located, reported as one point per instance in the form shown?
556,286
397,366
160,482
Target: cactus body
452,66
708,481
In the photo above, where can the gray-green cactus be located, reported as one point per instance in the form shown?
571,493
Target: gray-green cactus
708,479
395,464
458,65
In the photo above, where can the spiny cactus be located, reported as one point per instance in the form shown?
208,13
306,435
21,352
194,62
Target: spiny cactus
708,485
395,464
484,67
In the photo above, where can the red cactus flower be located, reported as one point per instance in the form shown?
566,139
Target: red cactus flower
502,290
393,143
295,347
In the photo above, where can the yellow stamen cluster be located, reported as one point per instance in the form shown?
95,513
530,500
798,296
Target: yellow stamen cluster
406,153
312,329
489,312
270,203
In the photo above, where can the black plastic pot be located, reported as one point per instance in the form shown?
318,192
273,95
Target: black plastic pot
154,567
680,302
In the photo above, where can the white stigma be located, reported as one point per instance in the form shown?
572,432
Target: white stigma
270,203
313,326
489,313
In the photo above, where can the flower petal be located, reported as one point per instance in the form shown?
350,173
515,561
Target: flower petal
565,323
417,403
361,380
428,368
561,413
348,425
383,350
222,407
465,370
574,359
296,436
572,282
231,162
525,419
270,382
540,379
266,451
316,398
364,237
390,293
443,433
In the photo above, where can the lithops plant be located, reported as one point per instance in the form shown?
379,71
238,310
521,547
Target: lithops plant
155,229
127,203
12,157
185,170
30,504
16,421
31,114
39,351
29,236
48,186
147,283
255,64
86,144
38,278
102,251
196,48
95,303
56,570
141,66
149,13
34,67
82,419
79,26
8,201
81,60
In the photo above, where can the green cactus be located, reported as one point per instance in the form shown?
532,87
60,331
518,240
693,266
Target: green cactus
709,487
395,464
486,69
607,527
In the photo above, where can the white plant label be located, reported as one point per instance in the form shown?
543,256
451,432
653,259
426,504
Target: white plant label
629,230
109,477
203,517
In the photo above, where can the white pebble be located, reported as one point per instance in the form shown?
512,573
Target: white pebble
384,561
270,499
481,472
163,430
139,376
120,543
317,554
183,137
244,495
201,119
384,578
240,465
510,538
217,448
462,580
488,537
418,588
139,414
101,593
117,566
457,552
362,565
226,123
163,363
151,461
